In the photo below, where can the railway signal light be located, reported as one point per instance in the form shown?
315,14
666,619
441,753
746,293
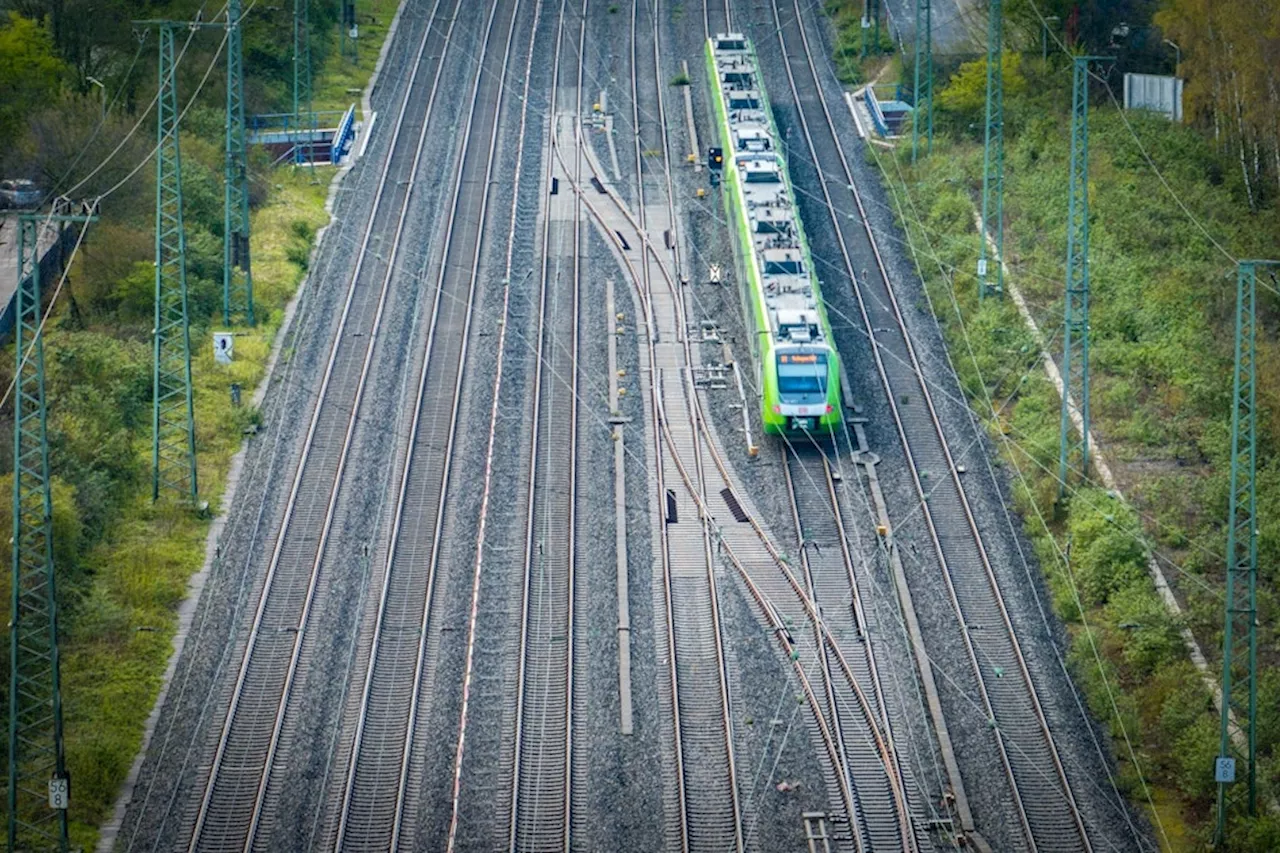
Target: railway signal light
715,158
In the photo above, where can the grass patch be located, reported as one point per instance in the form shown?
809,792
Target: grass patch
851,66
339,82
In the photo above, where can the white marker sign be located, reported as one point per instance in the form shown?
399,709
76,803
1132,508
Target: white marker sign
223,344
59,793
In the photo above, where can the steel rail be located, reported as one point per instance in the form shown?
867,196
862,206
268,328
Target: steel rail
1033,747
368,795
793,585
238,832
645,288
883,808
499,87
685,614
542,778
722,20
768,605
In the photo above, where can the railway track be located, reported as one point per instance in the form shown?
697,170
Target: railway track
880,785
711,814
384,778
1040,794
679,439
865,779
231,806
542,790
682,436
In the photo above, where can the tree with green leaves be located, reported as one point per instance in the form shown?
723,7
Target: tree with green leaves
31,74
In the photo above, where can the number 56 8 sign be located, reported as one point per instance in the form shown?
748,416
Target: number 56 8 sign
59,792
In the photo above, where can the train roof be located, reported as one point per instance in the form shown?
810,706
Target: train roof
773,225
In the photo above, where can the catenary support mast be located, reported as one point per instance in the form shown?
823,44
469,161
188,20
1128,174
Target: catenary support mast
303,115
38,786
1238,740
237,275
923,91
173,446
1075,330
991,282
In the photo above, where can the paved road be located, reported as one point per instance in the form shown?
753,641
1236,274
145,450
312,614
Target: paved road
953,23
9,255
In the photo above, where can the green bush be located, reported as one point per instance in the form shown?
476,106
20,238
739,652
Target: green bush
1151,639
1106,555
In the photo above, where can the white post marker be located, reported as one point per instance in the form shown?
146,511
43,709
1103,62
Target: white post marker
59,793
223,344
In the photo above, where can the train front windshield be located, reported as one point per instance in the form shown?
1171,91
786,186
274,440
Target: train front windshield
802,377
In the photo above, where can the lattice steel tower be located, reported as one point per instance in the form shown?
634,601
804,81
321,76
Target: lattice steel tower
303,115
38,787
993,160
237,274
1075,329
871,22
173,447
1238,739
924,61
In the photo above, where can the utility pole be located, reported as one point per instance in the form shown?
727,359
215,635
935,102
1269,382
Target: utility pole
39,788
924,58
302,75
237,275
1044,36
1075,332
870,24
993,158
1238,738
173,446
349,30
875,25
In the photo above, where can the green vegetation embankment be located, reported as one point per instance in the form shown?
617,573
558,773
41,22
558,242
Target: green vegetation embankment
1162,332
122,562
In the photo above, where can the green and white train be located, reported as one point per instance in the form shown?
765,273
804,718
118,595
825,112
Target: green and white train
796,360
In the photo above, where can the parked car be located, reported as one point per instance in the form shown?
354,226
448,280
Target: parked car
20,194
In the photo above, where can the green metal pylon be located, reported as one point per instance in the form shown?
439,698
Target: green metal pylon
870,24
1238,740
39,789
237,275
993,159
875,25
1075,330
347,31
303,115
173,446
924,61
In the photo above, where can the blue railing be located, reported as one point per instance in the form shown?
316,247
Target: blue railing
265,122
873,107
343,136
